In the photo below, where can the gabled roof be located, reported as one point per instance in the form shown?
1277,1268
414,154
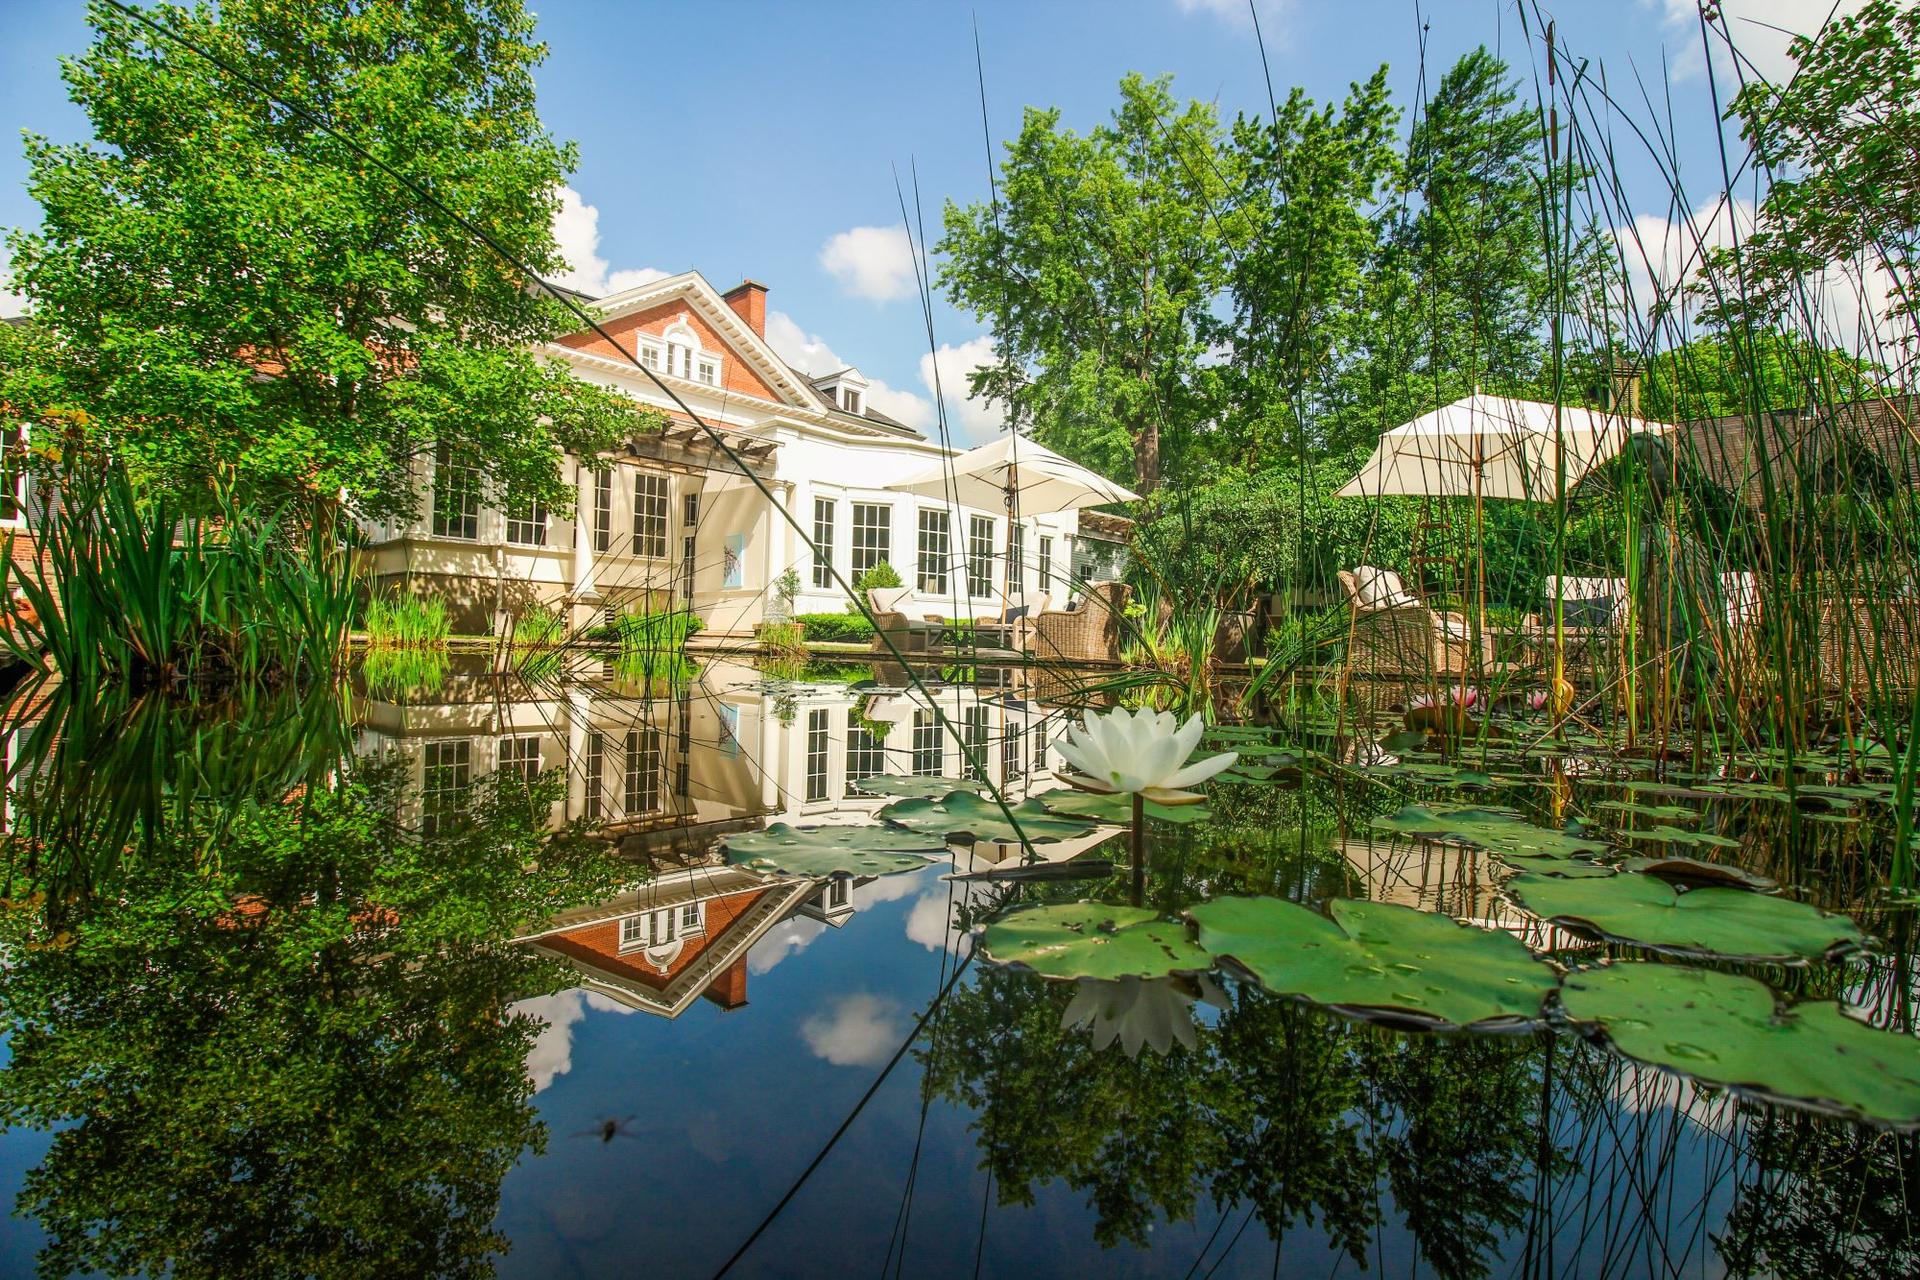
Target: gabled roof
692,287
1733,449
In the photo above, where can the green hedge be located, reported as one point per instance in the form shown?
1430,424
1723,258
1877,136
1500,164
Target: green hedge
849,628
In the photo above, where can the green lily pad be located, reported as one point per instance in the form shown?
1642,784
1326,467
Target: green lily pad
1697,874
1380,960
1664,812
1646,912
1579,868
910,786
1728,1030
1092,940
826,851
1674,835
1117,809
961,815
1500,831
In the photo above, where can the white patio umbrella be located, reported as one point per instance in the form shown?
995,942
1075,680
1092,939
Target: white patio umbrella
1494,447
1023,477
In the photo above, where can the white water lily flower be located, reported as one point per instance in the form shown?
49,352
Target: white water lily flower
1139,752
1140,1012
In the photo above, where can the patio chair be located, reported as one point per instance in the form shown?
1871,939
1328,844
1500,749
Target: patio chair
1395,634
1591,613
909,635
1086,630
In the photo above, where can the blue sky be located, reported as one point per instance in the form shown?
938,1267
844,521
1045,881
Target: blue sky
763,139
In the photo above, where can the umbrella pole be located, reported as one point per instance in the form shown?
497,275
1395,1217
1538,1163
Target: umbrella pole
1013,490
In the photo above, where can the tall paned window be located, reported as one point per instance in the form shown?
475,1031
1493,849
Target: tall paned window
686,567
1012,763
823,542
872,535
979,556
650,515
519,756
935,552
1040,747
595,767
445,784
602,510
1046,564
816,755
456,495
929,750
866,757
976,736
527,523
643,771
1019,566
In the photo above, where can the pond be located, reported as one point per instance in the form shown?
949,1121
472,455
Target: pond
453,971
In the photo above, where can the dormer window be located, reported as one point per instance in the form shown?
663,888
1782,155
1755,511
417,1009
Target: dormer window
845,391
850,399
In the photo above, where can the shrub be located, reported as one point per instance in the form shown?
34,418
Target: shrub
881,575
847,628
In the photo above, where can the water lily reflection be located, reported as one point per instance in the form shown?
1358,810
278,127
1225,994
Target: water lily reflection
1140,1012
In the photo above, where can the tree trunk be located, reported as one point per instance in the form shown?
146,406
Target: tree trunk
1146,456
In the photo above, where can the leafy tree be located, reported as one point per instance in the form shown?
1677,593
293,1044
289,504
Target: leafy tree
1098,272
207,237
1718,376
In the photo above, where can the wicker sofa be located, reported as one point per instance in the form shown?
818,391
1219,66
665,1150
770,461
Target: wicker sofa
1087,630
908,634
1394,634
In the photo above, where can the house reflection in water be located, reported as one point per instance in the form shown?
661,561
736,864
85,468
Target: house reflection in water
669,771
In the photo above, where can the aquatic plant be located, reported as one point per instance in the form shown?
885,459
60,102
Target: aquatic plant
1092,940
403,620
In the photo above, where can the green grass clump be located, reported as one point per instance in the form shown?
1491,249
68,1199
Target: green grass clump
404,621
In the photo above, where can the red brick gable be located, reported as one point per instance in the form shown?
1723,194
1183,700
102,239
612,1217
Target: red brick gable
737,374
598,945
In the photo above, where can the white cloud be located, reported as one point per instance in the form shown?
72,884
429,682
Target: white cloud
858,1030
1662,254
872,262
1235,13
1760,30
552,1052
788,938
810,354
975,420
576,225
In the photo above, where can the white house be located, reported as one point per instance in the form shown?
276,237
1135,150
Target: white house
676,523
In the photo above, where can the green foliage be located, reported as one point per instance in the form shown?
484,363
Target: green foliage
1729,923
204,237
879,575
1092,940
127,590
402,620
836,628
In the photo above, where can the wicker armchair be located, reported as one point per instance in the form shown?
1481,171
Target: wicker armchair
1089,632
1396,635
909,635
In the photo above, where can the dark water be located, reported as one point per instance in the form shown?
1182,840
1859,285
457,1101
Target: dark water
299,985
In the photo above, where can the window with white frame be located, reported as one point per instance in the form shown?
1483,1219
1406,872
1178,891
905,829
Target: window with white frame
519,756
446,782
1012,762
650,355
1040,747
979,556
456,495
643,772
872,535
693,917
634,931
836,893
686,567
976,739
527,523
602,510
816,755
850,399
866,757
935,552
1018,567
1046,564
662,928
595,767
929,749
823,511
650,515
690,507
707,370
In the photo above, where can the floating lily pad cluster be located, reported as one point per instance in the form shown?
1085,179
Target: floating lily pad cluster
1724,923
1499,831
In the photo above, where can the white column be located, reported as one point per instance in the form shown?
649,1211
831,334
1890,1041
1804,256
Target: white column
577,709
583,596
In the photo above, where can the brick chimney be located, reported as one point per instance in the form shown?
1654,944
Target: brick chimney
749,301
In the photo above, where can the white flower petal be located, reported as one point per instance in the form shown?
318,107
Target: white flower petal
1201,770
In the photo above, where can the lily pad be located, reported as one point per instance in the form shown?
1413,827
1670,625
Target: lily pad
1579,868
825,851
911,786
1664,812
1696,874
1380,960
1092,940
1674,835
1500,831
1646,912
961,815
1117,809
1728,1030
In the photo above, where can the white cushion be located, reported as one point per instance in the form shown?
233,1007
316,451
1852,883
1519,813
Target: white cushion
1381,588
887,599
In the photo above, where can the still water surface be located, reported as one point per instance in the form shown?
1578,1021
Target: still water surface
401,1034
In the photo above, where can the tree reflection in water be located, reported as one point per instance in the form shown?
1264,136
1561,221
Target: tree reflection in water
268,1025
